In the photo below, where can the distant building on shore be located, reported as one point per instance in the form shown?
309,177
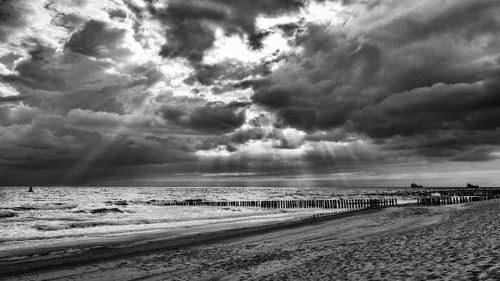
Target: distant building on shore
472,186
414,185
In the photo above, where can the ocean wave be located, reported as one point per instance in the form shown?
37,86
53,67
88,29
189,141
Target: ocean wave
117,202
105,210
7,214
89,224
46,227
155,202
48,206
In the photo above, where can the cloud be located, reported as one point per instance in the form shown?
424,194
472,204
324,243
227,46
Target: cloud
11,98
64,80
96,39
30,146
210,118
189,41
12,17
224,71
320,87
91,88
127,151
429,109
191,23
413,74
84,139
51,70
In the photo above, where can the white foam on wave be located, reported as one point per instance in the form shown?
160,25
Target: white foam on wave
44,206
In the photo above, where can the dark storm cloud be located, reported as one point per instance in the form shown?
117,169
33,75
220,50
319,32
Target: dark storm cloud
12,114
210,118
85,139
319,89
38,149
189,34
12,98
117,14
444,41
420,74
255,40
189,41
125,151
96,39
61,81
440,107
73,115
244,135
41,71
12,16
224,73
33,146
36,71
70,21
85,94
453,145
466,19
289,29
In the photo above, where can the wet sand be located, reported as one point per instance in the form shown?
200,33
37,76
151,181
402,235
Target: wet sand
454,242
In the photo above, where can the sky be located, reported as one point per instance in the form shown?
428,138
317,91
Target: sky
257,92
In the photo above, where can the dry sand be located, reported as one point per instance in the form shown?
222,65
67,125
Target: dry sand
456,242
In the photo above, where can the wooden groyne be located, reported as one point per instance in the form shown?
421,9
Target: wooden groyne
447,200
493,192
295,204
423,197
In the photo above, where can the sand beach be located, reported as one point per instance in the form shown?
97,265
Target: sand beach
453,242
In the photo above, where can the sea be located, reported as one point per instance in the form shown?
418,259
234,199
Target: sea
52,215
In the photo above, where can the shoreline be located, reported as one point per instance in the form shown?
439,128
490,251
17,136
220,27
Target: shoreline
15,262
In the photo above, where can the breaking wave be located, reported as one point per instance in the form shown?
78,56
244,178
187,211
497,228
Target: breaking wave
48,206
105,210
117,202
45,227
7,214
